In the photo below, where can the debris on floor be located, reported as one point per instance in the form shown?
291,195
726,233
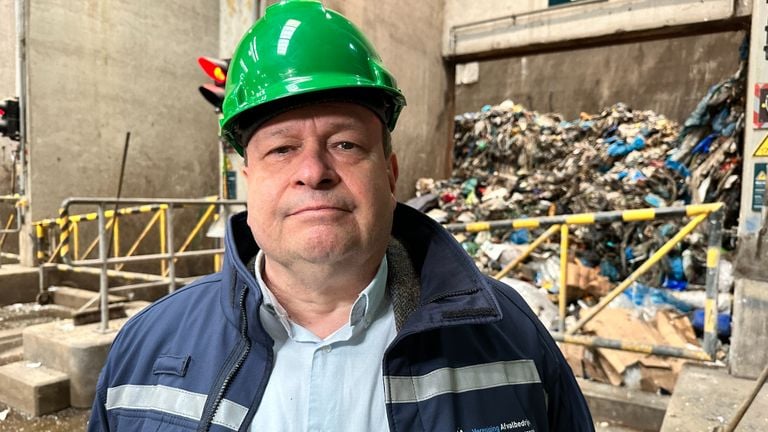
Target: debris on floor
634,370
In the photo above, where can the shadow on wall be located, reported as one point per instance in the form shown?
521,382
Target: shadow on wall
667,76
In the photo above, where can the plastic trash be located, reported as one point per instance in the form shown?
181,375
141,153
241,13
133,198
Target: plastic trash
537,300
510,162
723,323
650,299
521,236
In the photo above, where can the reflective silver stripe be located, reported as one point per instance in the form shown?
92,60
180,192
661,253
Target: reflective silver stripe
173,401
400,389
230,414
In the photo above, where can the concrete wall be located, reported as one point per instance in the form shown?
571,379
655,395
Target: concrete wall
235,18
531,22
100,69
668,76
7,86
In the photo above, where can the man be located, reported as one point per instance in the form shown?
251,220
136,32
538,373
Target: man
337,309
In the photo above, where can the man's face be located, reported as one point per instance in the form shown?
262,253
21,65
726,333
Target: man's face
320,189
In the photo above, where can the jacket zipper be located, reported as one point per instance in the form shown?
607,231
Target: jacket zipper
206,425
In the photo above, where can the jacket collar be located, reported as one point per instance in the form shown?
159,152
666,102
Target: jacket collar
445,285
452,290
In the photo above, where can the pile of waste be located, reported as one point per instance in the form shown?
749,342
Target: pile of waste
510,162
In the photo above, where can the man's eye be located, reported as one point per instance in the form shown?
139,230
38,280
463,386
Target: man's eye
280,150
346,145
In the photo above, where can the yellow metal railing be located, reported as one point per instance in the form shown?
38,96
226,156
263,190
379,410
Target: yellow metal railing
69,241
45,227
65,248
699,213
13,223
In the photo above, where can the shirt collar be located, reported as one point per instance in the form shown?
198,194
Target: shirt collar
361,315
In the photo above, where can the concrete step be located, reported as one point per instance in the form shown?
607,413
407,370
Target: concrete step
18,284
33,389
75,298
10,338
624,407
78,351
12,355
747,356
707,396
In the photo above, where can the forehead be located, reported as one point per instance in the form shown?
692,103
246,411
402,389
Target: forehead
321,118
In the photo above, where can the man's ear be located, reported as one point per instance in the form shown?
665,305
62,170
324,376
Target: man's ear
392,172
244,169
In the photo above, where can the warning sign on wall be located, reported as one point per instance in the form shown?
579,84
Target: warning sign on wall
760,115
762,149
758,186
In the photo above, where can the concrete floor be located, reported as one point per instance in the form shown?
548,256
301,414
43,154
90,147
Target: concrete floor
68,420
706,397
608,427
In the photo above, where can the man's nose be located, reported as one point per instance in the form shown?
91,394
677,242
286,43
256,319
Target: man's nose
315,169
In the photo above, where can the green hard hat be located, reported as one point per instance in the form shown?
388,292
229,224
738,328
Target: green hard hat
297,53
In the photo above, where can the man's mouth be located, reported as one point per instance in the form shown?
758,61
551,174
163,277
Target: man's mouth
317,209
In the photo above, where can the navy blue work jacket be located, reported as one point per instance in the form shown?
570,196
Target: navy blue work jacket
469,355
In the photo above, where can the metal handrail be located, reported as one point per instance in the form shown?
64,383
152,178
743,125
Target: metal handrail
43,226
168,254
20,201
149,257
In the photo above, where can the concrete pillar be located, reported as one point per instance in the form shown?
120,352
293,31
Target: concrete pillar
235,18
7,83
748,356
10,86
752,255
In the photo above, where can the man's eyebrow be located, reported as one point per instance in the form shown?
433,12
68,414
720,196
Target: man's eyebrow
344,124
335,126
279,132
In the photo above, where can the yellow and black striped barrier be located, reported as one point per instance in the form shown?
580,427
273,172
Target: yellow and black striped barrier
64,228
698,212
92,216
637,215
622,345
66,223
39,235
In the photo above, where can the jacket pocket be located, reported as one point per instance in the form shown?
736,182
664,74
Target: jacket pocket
144,421
171,365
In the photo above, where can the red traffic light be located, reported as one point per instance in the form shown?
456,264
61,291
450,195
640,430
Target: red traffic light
215,68
213,94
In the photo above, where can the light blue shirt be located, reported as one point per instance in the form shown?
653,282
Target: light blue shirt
333,384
